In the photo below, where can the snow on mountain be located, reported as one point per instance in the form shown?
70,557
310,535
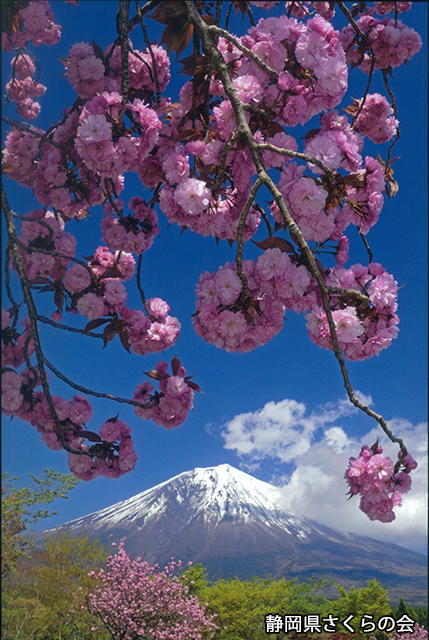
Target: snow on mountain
233,524
215,493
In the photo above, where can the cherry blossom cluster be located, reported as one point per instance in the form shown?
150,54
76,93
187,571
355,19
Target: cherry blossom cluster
132,233
14,342
171,404
392,42
111,452
133,598
143,76
382,8
49,236
375,119
419,632
381,486
102,148
240,323
35,25
110,150
152,333
23,88
363,330
20,154
359,198
309,64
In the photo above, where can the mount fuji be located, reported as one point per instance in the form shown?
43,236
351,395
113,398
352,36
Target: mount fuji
233,524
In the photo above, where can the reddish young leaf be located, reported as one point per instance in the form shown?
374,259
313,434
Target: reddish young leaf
167,12
89,435
195,64
190,135
98,51
113,419
41,280
95,323
310,134
352,108
175,365
194,386
124,338
240,5
112,272
177,36
59,299
109,333
155,375
275,242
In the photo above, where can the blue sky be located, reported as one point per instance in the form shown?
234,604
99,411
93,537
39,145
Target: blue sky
290,391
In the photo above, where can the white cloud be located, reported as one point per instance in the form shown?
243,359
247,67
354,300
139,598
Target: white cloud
280,429
316,487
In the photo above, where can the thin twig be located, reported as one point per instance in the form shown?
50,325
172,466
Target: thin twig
124,6
239,256
65,327
395,110
365,241
90,392
152,55
225,34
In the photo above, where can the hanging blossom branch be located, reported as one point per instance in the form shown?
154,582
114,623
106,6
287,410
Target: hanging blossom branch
62,423
244,133
32,312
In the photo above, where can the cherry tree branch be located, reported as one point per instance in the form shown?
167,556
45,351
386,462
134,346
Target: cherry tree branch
90,392
32,314
236,42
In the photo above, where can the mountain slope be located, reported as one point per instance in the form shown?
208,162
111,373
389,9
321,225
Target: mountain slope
233,524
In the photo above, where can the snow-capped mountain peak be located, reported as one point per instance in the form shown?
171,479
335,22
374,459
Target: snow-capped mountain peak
234,525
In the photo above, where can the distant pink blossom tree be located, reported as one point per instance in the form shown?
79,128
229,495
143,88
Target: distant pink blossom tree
136,600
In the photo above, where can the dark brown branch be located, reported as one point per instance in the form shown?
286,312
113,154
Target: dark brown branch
365,241
225,34
124,6
32,314
65,327
90,392
239,256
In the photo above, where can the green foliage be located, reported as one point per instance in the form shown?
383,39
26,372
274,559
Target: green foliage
42,600
241,606
18,515
18,616
62,582
196,580
371,600
419,614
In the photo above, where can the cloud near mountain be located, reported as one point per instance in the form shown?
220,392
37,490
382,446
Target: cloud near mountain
313,449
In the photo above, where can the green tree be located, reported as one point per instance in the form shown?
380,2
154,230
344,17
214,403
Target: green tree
18,513
419,614
241,606
195,579
370,601
62,583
